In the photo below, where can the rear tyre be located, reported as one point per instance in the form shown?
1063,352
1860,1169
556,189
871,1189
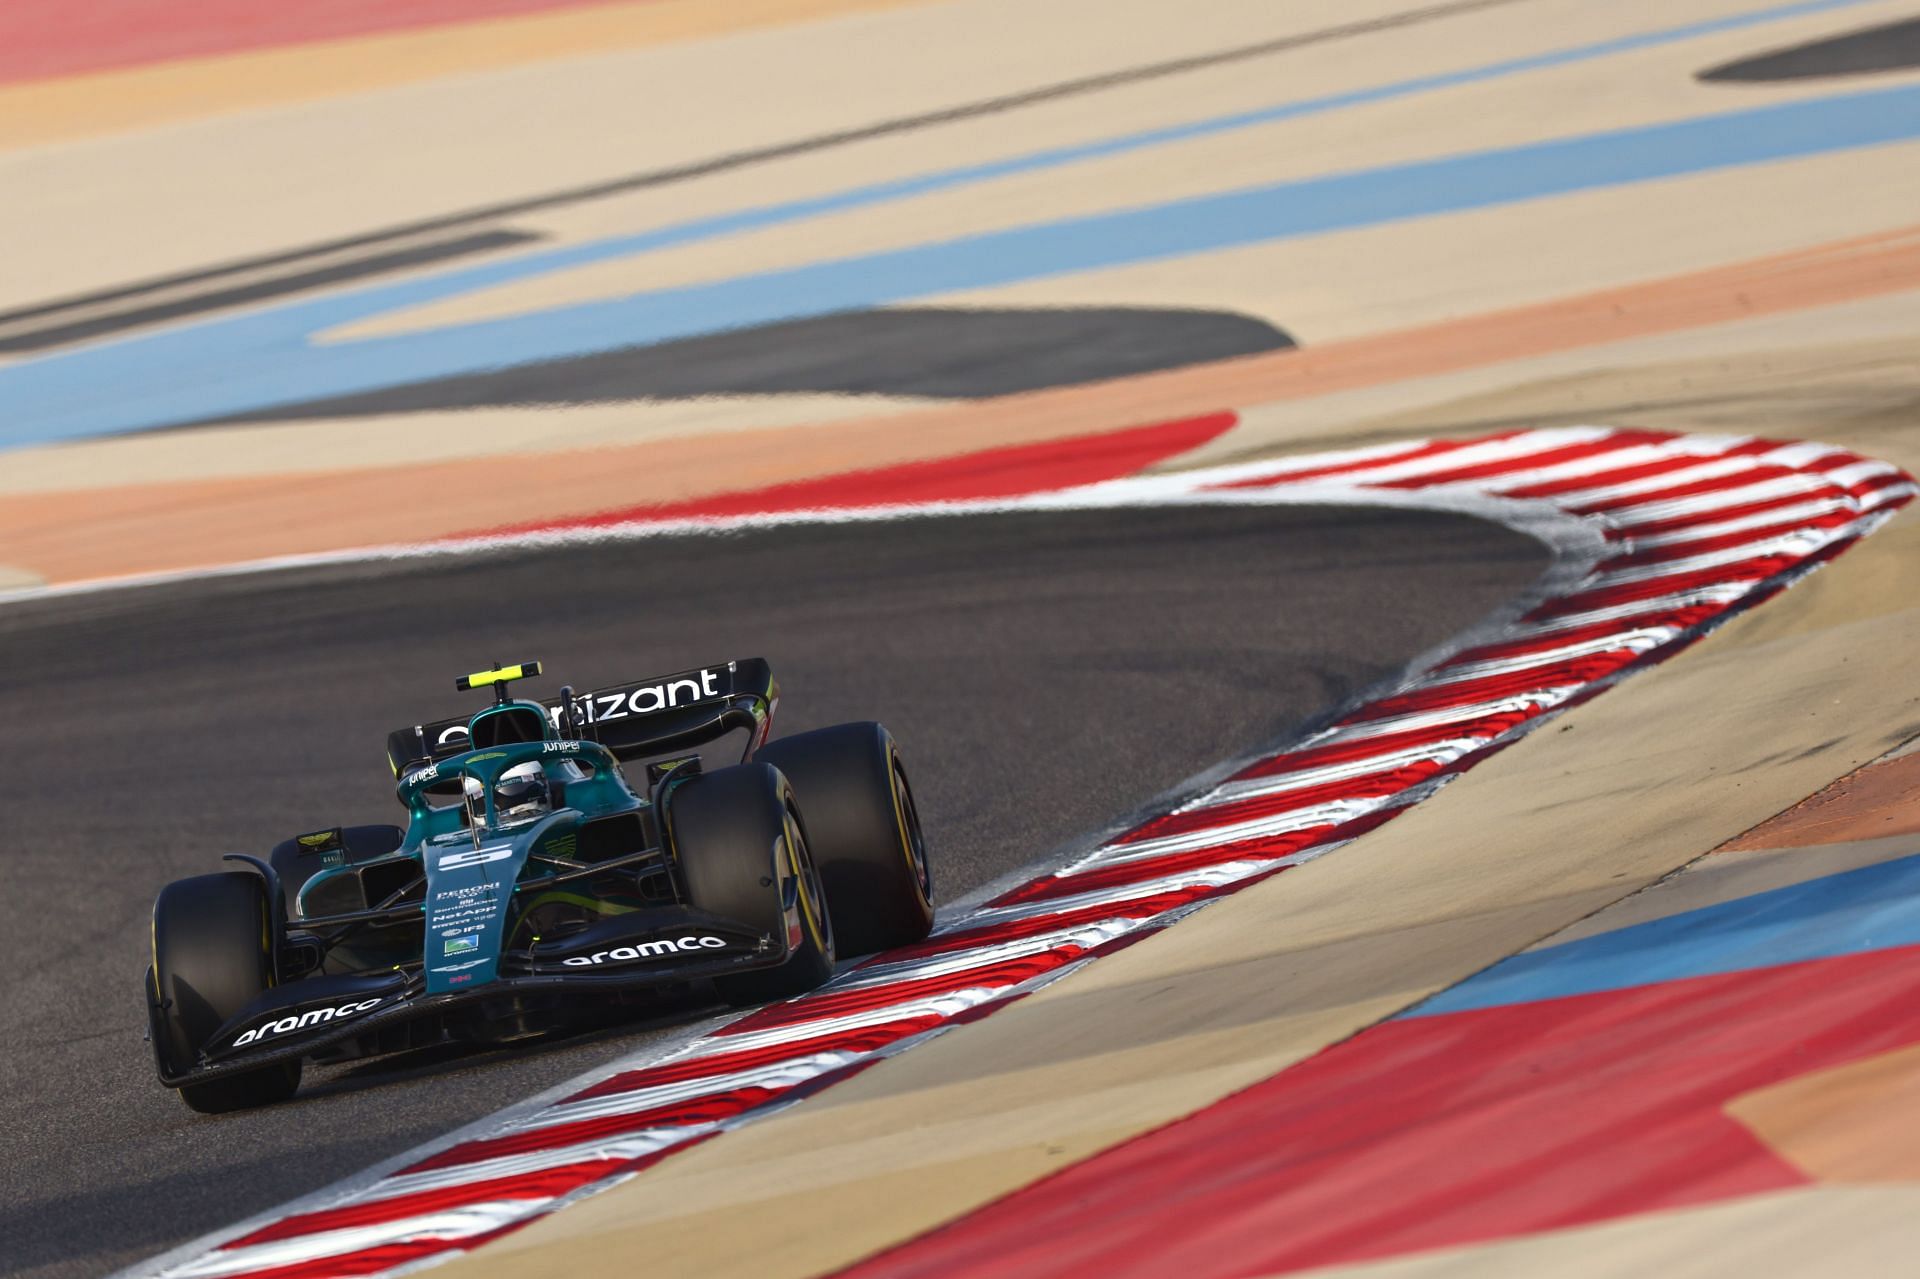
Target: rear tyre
210,960
739,842
865,831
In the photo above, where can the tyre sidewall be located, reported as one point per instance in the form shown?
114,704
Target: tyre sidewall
864,831
211,958
738,838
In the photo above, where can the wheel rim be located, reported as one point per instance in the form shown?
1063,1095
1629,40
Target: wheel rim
911,838
812,896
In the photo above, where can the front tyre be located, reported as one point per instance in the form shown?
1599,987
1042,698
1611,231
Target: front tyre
739,841
210,960
865,831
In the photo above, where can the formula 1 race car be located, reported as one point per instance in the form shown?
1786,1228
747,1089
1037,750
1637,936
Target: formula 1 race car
535,885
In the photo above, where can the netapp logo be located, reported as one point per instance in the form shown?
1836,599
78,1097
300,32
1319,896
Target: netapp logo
645,950
303,1021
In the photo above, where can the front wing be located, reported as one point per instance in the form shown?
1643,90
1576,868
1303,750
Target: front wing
303,1017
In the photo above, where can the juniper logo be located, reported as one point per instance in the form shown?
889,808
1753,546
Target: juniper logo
644,950
303,1021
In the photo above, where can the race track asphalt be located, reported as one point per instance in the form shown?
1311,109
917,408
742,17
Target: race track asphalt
1045,674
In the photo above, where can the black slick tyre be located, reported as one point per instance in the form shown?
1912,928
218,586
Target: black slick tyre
865,833
738,838
210,960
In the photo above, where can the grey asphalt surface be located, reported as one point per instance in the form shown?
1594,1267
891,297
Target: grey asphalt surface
935,352
1045,674
1880,50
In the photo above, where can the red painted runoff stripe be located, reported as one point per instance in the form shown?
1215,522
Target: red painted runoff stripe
44,38
1438,1131
1612,615
1012,471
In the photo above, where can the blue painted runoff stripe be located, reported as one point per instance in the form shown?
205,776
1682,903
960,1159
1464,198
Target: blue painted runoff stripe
867,196
1873,908
257,360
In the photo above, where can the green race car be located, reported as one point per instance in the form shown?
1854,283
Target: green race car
536,884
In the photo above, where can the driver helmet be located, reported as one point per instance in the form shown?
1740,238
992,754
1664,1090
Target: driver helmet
521,794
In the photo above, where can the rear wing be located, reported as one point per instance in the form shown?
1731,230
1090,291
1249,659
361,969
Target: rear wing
653,716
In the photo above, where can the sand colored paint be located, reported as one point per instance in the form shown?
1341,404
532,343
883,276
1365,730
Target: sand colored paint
87,104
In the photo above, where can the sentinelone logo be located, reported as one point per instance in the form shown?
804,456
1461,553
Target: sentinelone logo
645,950
303,1021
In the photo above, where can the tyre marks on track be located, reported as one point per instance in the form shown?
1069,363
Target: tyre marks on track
1662,537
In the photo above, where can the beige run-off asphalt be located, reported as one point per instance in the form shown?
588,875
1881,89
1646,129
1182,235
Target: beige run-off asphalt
1690,304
